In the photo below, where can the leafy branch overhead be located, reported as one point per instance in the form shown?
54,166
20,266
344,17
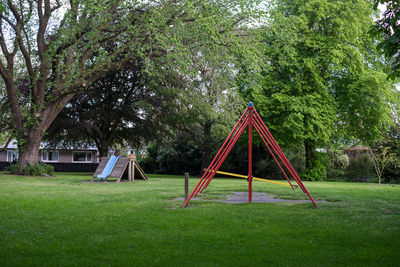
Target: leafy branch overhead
388,29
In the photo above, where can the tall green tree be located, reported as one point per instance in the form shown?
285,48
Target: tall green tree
118,108
321,78
207,103
210,103
65,46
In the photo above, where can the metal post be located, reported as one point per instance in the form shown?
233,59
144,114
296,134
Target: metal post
186,186
250,150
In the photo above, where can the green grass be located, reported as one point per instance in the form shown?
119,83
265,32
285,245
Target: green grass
62,221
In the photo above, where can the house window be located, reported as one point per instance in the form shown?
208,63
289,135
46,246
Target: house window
49,155
12,155
82,156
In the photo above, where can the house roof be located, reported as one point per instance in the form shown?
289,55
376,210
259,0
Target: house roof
44,145
356,148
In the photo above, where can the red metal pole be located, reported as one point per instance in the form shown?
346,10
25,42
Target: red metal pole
222,157
280,155
297,178
229,136
231,141
206,174
257,127
250,151
227,152
277,149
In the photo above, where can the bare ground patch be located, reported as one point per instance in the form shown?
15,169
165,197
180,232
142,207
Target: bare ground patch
242,197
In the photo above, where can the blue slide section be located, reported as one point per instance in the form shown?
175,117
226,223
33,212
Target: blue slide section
108,168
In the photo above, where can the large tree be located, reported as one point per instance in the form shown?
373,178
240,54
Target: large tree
207,103
117,108
321,76
210,104
64,46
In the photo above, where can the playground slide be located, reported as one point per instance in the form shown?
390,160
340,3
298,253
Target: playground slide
108,168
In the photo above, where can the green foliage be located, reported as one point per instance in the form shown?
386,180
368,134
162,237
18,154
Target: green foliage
117,109
342,161
176,155
322,79
387,153
338,162
361,165
317,171
388,29
363,103
40,169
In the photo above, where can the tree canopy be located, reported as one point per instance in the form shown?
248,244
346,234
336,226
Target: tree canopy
321,79
62,47
118,108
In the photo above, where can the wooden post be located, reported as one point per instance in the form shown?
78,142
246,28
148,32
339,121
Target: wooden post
186,186
132,159
133,170
130,171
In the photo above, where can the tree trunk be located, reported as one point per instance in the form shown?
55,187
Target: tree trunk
205,160
310,153
205,148
103,149
29,154
29,150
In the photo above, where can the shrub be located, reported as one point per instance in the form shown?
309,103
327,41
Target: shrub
333,173
338,162
361,165
317,172
39,169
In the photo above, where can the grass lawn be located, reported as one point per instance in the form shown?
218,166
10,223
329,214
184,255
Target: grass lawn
62,221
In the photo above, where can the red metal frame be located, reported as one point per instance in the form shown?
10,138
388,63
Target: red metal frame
249,118
258,129
250,175
217,157
227,151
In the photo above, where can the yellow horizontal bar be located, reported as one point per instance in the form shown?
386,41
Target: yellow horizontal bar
245,177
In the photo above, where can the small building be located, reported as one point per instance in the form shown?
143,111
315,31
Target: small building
79,159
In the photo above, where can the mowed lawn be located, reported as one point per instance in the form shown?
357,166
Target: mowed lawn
60,221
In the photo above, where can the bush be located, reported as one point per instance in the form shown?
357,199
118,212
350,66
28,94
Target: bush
316,173
318,170
361,165
338,162
333,173
39,169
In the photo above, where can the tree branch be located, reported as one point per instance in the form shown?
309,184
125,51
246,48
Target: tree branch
19,38
6,144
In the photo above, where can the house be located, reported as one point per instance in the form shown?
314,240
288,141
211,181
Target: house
85,158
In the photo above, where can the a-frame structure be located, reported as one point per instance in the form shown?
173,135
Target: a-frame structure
250,119
124,167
